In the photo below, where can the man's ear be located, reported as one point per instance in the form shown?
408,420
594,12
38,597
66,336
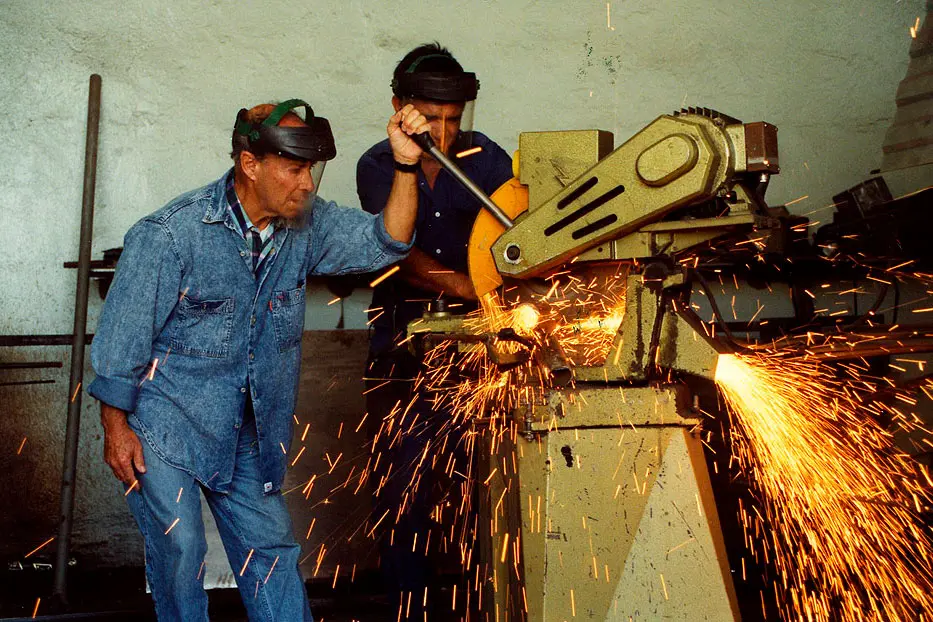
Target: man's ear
249,164
396,103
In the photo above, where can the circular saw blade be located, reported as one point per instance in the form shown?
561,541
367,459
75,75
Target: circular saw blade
512,198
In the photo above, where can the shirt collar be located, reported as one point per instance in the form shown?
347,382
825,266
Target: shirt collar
244,224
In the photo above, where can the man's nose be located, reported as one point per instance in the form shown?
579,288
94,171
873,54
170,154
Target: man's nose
307,181
439,135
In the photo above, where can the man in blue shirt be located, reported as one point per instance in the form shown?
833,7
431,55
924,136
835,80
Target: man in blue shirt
432,80
197,351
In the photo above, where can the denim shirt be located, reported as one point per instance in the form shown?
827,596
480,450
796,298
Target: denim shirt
186,331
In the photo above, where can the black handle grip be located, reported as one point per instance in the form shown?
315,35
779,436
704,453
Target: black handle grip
424,140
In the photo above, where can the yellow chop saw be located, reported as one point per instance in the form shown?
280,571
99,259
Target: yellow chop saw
599,503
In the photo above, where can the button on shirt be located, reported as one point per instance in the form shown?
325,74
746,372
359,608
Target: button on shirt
445,219
188,333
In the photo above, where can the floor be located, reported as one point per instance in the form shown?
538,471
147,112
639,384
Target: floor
119,595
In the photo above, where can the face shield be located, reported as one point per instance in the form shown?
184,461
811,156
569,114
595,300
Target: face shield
448,101
311,142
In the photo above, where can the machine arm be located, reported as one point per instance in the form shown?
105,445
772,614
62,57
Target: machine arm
676,161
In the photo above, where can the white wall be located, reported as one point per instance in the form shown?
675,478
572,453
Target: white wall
175,73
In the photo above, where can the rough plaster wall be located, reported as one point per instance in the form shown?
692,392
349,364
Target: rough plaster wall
174,74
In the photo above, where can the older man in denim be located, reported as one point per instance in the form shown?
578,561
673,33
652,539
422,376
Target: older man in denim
198,349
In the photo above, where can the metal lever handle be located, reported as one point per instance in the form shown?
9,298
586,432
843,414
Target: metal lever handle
425,141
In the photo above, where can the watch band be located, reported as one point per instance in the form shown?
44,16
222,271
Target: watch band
406,168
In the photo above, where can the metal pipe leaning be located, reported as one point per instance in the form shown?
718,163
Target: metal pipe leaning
69,468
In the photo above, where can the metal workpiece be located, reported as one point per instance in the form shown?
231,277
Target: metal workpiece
434,327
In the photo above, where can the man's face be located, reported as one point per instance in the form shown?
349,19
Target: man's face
444,119
284,185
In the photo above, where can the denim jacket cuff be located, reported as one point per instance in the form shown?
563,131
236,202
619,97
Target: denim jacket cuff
116,393
388,242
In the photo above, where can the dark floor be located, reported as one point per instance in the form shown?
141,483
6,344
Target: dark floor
120,595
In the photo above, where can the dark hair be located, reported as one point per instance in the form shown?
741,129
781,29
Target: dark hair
427,57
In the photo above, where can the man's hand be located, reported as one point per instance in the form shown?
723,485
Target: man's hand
122,449
402,124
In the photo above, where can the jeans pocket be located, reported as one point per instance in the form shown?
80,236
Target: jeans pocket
202,327
288,317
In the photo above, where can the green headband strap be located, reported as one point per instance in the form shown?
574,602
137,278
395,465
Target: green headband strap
284,108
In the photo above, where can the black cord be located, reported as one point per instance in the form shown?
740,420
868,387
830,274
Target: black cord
717,314
874,307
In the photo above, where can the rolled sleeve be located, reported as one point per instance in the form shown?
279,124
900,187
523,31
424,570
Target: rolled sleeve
143,295
114,392
345,240
390,244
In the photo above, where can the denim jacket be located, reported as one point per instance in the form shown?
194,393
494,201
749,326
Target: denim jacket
186,331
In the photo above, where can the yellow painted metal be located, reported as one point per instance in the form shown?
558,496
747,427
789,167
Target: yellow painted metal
616,515
551,160
667,159
668,238
679,347
673,162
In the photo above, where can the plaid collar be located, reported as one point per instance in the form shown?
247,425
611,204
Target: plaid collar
239,214
261,244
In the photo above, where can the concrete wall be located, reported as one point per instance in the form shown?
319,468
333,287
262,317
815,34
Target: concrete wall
175,73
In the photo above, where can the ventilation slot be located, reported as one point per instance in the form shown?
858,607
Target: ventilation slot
596,226
583,211
579,192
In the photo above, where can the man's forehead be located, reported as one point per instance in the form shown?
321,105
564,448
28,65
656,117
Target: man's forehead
427,106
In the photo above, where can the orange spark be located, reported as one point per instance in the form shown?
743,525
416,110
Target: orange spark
379,279
38,548
469,152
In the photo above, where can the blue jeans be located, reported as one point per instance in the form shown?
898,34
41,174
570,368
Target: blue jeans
252,525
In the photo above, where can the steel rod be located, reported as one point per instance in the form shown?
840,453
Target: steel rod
69,468
19,341
21,382
31,365
475,190
427,143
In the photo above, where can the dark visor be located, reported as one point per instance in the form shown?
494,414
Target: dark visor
314,141
437,86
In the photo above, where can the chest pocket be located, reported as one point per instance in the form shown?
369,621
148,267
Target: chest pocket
288,317
202,327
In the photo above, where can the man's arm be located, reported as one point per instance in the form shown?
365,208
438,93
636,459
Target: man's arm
418,269
345,240
402,206
143,294
425,272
